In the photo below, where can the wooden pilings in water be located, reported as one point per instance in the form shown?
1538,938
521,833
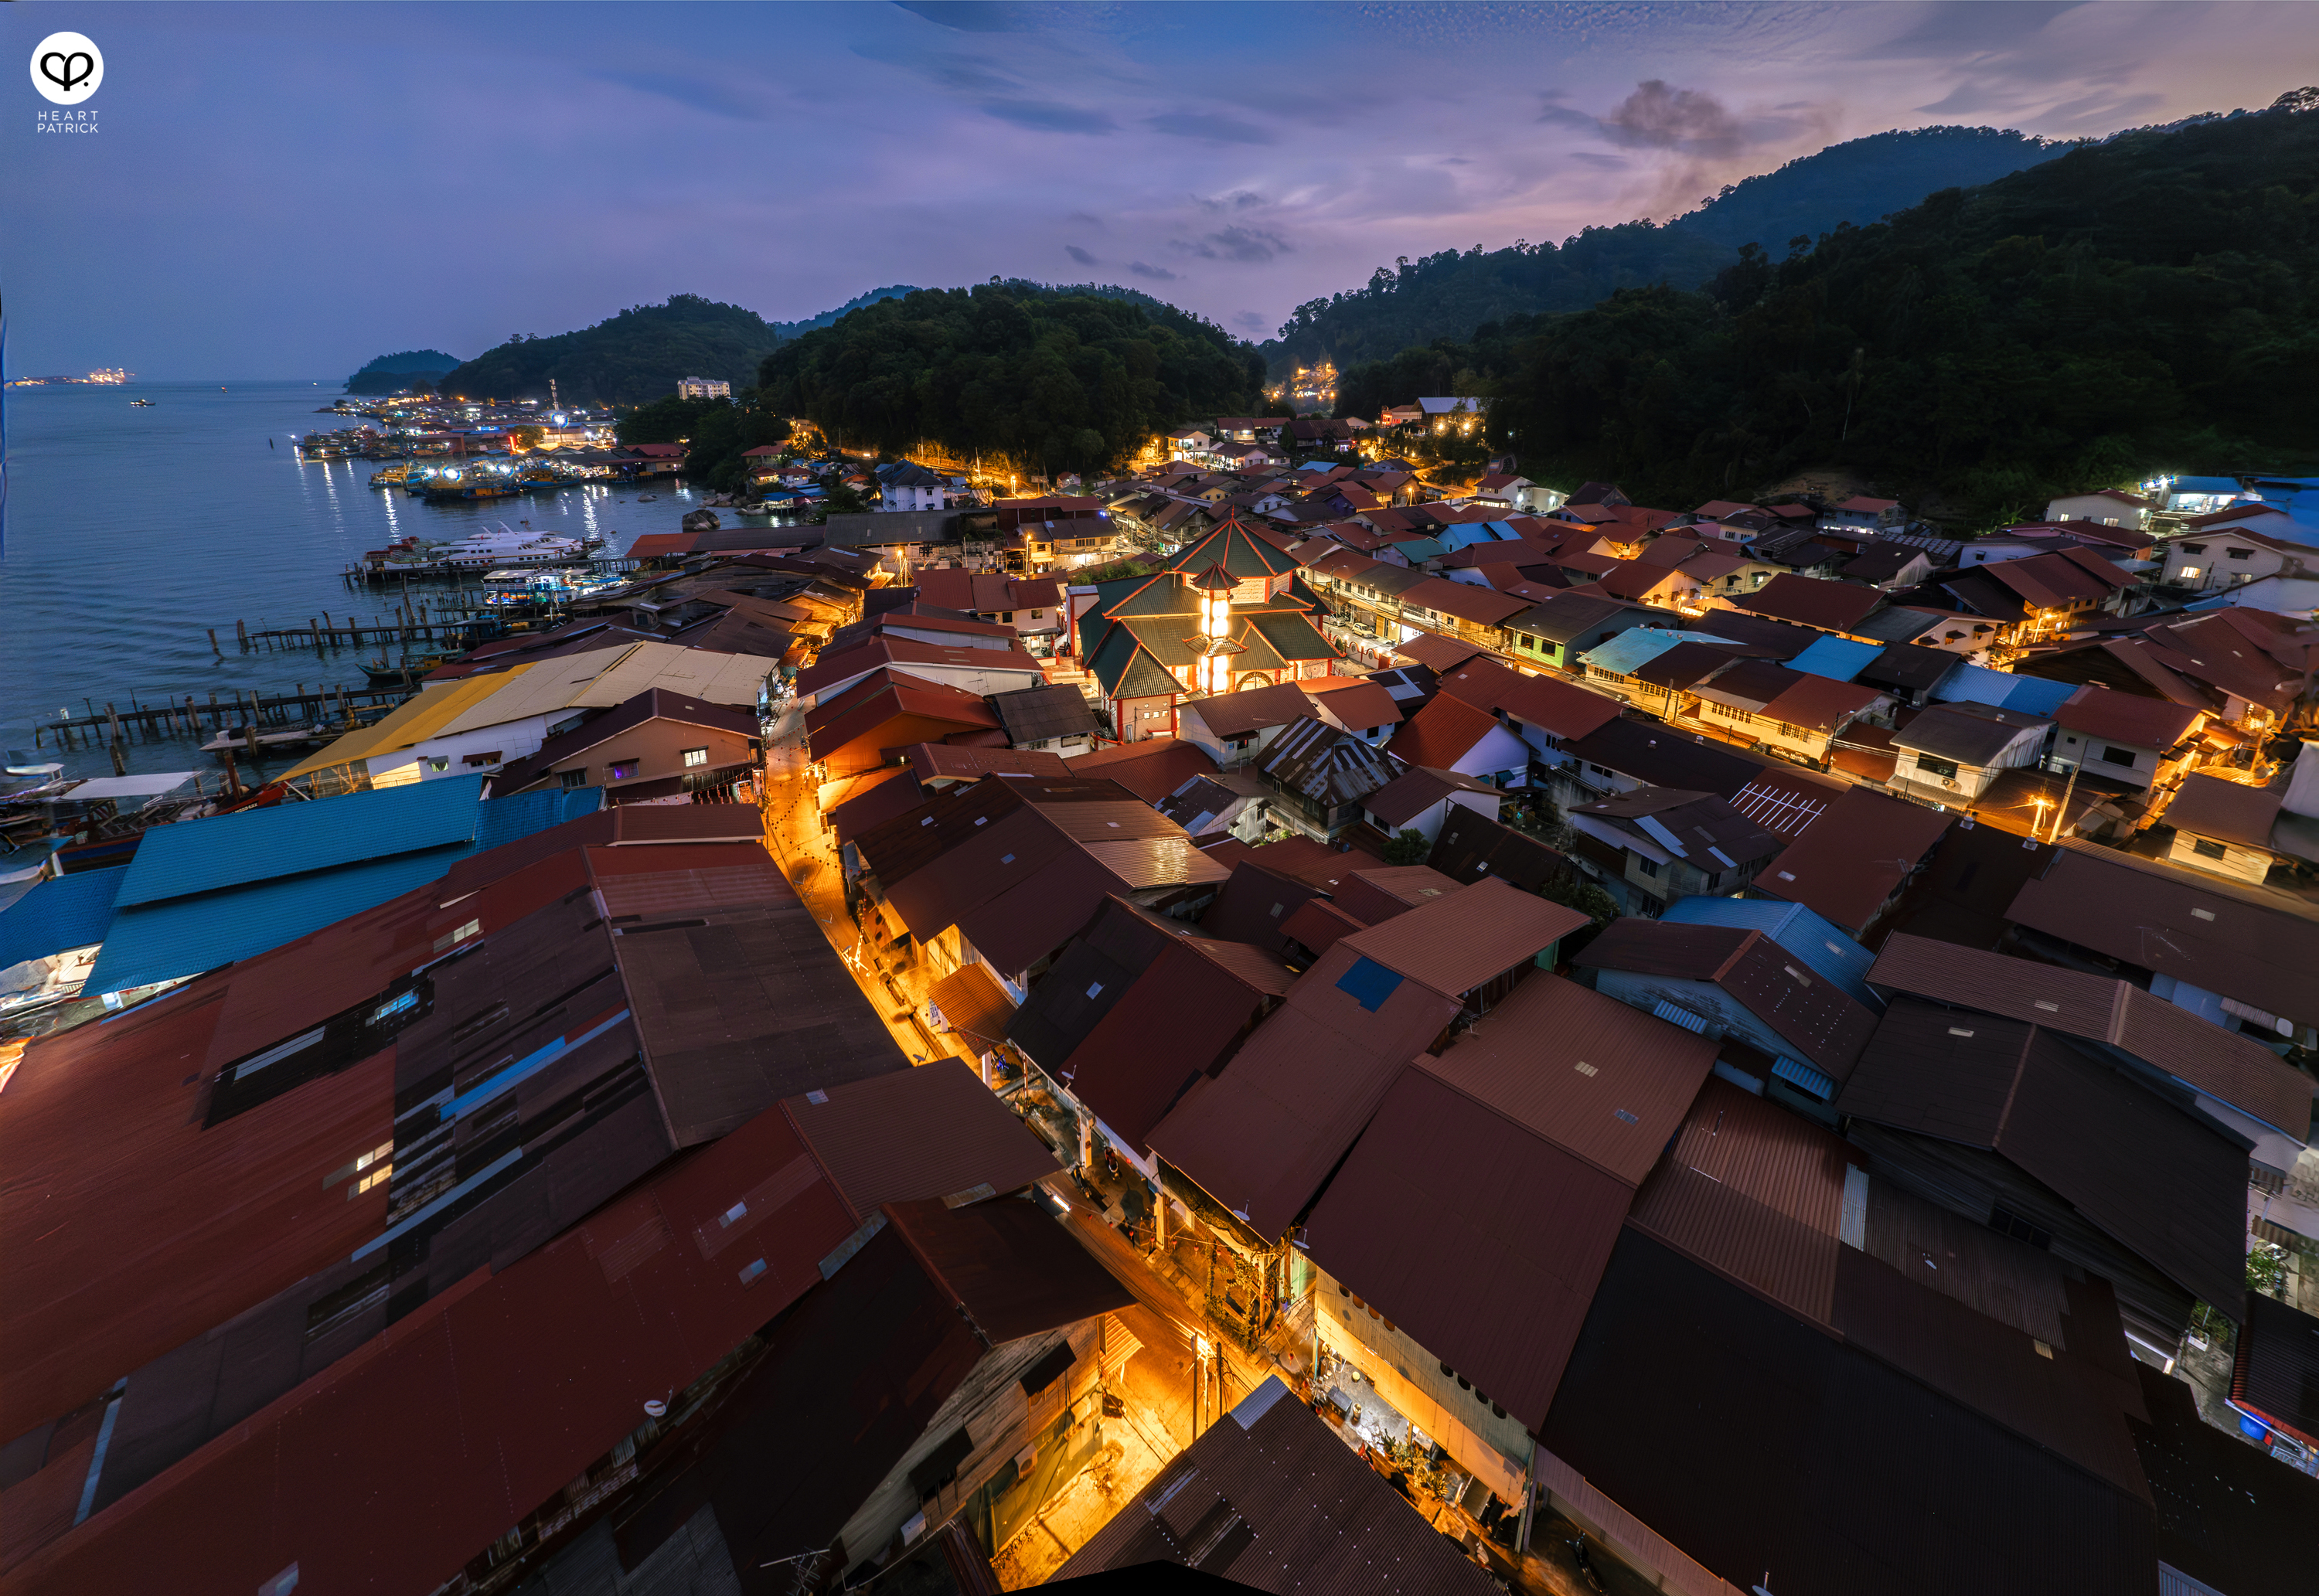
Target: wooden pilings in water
153,722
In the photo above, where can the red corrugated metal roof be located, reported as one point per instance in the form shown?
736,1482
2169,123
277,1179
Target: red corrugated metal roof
1441,734
1318,925
2126,717
1275,1501
1377,894
1467,938
1756,1194
1595,1077
932,1131
1831,606
944,761
524,1378
1183,1018
2244,943
1435,1220
1854,856
1264,1135
1151,770
1552,706
973,1004
2225,1064
128,1228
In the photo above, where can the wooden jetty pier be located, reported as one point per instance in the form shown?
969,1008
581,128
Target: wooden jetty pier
340,706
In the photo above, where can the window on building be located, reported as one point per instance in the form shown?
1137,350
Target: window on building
623,770
2193,548
2006,1223
578,778
1715,880
2189,572
695,756
1649,867
2205,849
2238,554
1946,769
2115,755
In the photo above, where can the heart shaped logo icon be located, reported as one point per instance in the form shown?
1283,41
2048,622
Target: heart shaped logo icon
69,72
67,67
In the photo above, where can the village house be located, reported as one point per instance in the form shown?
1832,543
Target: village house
1421,798
1791,712
1236,728
1785,1031
1954,752
1322,775
2122,737
1663,844
2109,506
904,485
1864,514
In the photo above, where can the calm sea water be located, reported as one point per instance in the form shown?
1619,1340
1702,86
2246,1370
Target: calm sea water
130,531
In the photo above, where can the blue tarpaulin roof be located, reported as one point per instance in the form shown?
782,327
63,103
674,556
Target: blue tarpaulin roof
1839,659
69,912
1823,946
2204,484
291,838
1465,533
185,935
1637,646
2001,690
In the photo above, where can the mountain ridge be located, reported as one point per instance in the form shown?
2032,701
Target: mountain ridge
1449,295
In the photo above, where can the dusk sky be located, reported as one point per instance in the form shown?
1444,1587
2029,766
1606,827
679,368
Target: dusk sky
287,190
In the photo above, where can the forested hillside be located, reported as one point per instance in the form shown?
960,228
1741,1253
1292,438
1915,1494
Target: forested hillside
633,358
1053,378
391,373
2146,304
1449,294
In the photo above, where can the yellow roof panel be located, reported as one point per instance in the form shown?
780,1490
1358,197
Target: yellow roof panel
413,721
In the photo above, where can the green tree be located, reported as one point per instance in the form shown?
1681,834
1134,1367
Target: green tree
1407,847
1053,380
1986,350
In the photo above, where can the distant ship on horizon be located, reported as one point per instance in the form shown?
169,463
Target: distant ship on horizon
111,376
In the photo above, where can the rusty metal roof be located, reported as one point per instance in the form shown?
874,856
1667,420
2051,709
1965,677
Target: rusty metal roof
2149,1174
1262,1137
938,761
1595,1077
128,1228
2227,1065
1787,1433
2249,945
1852,858
1257,904
1181,1020
1756,1194
1382,891
1019,865
1318,925
637,1300
1467,938
1270,1499
932,1131
1008,1265
1151,770
738,996
1435,1220
1824,1024
1251,710
973,1004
